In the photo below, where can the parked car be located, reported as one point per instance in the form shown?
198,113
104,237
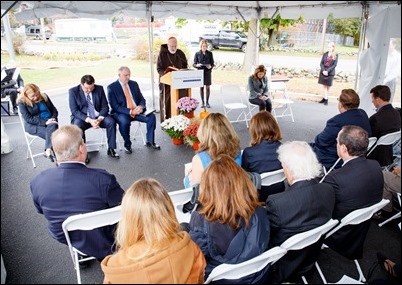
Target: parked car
226,39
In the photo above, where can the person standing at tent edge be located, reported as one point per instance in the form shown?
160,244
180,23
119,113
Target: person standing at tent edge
169,56
328,63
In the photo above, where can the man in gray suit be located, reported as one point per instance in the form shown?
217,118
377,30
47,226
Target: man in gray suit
366,189
305,204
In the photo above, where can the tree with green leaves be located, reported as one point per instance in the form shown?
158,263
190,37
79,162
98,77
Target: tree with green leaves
345,27
269,28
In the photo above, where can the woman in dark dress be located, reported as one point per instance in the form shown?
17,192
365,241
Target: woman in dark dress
328,63
204,59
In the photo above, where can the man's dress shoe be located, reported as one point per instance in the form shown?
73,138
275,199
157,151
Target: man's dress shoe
153,145
112,153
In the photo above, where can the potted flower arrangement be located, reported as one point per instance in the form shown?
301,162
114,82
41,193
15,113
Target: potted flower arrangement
187,105
190,133
175,127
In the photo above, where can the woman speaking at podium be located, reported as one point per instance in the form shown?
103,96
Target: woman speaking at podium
204,59
170,58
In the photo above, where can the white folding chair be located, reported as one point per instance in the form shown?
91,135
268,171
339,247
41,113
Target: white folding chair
138,133
180,197
86,222
279,103
388,139
272,177
29,139
251,107
354,218
397,215
304,239
232,100
256,264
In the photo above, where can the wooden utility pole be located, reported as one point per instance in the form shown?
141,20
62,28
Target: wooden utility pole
324,30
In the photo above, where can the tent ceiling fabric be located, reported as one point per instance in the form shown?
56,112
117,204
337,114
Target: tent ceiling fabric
235,10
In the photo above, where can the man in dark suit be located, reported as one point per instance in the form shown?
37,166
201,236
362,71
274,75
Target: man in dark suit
324,144
72,189
365,191
128,104
305,204
90,109
386,120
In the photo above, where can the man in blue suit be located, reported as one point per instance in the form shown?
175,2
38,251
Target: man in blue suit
90,109
358,184
128,104
324,144
71,189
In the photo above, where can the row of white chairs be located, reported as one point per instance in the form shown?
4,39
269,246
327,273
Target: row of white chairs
237,108
96,219
91,145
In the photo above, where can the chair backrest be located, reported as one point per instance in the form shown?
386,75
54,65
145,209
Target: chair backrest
179,198
358,216
388,139
256,264
304,239
90,221
272,177
231,91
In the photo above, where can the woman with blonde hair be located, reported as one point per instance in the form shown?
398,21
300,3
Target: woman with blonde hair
261,155
217,136
204,60
39,114
229,226
151,247
258,86
328,63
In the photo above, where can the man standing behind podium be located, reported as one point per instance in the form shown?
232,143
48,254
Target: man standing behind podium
169,55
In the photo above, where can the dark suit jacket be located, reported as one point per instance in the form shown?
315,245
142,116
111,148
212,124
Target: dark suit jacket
78,102
73,188
117,99
325,142
358,184
386,120
31,115
303,206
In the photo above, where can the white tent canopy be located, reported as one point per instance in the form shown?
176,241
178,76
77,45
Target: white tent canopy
381,21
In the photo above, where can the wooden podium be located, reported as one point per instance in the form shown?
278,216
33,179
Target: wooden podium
181,79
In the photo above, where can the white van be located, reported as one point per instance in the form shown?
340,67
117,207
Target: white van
34,32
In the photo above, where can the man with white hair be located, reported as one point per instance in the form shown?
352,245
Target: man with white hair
169,56
304,205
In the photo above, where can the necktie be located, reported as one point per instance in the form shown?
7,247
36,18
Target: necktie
91,108
129,100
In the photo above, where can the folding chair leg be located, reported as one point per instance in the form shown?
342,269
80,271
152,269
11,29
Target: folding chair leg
321,274
396,216
361,276
77,267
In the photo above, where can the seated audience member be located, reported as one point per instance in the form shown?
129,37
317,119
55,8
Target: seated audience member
258,86
305,204
216,135
324,144
90,109
40,116
386,120
352,193
392,185
128,104
229,225
73,188
11,85
261,156
151,247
